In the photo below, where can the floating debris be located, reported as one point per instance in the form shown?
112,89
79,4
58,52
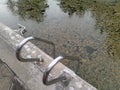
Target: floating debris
21,29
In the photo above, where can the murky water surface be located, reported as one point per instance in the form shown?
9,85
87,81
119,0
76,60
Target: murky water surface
88,31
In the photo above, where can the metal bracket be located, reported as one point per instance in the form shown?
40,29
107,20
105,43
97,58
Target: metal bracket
63,77
19,47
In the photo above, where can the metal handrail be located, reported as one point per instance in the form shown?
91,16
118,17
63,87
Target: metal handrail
62,77
19,47
51,66
18,51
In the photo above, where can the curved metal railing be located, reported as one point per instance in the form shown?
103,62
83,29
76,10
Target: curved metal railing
23,42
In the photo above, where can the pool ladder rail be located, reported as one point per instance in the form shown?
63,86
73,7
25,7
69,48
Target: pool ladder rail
63,77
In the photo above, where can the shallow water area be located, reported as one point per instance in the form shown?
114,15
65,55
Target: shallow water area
84,30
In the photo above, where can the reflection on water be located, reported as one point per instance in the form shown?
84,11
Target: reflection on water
104,69
88,30
29,9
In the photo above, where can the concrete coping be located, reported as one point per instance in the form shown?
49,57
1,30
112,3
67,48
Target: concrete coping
31,73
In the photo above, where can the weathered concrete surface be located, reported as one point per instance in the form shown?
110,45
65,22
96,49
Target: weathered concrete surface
28,72
9,80
5,77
